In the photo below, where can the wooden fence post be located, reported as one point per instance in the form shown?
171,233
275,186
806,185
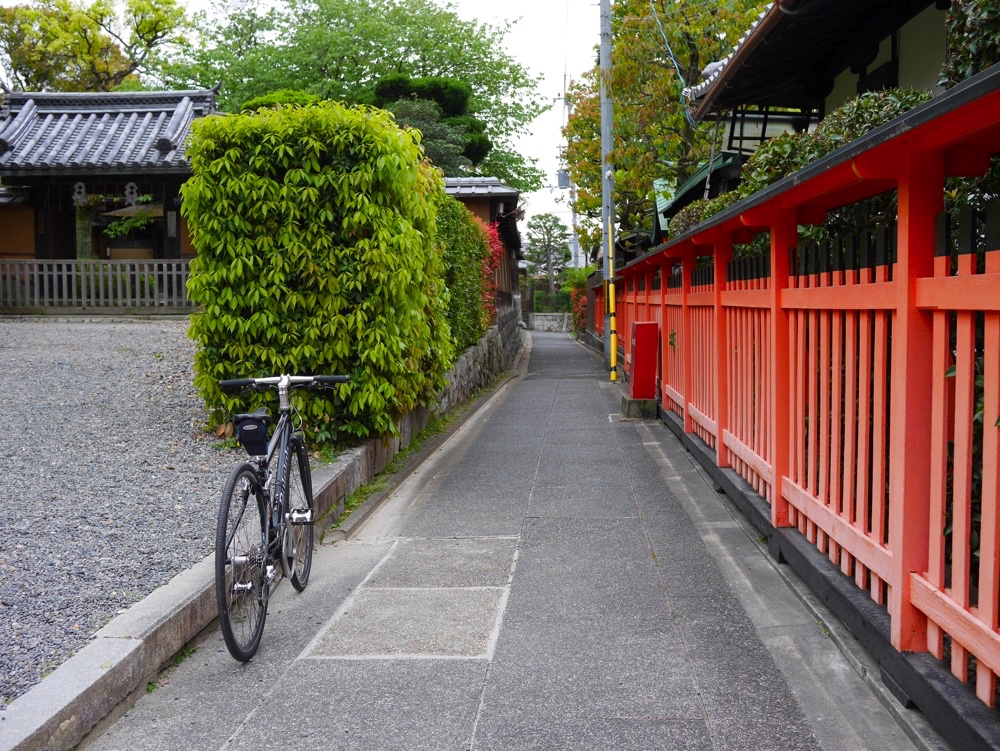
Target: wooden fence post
784,237
687,270
723,255
921,189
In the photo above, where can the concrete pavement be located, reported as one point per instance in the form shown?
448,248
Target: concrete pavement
551,578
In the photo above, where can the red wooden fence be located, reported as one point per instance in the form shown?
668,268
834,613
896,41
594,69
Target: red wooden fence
855,384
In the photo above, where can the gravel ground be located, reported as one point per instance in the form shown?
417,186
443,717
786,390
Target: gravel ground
111,485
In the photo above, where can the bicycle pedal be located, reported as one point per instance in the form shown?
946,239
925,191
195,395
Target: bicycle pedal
272,573
241,587
303,516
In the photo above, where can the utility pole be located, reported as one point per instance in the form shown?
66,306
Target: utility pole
607,194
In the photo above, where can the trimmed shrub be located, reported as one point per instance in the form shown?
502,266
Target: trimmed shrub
278,98
314,228
465,247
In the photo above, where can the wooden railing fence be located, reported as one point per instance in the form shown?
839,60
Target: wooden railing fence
77,286
854,383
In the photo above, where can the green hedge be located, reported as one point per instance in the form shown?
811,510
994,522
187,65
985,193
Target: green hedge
315,235
558,302
465,246
789,152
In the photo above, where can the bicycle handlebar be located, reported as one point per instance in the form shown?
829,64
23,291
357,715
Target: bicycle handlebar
320,380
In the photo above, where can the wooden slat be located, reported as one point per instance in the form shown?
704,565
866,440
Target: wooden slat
973,292
881,296
875,556
962,624
703,420
746,298
747,455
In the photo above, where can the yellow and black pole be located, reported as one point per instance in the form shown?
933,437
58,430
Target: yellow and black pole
612,325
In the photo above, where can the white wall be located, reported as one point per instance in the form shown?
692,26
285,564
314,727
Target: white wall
921,54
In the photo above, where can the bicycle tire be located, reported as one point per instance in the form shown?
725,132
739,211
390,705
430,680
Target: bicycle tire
298,481
240,561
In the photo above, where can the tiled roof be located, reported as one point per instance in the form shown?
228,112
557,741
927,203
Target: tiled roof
478,186
714,70
99,132
794,50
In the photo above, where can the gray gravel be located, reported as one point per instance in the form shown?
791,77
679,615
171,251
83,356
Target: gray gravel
110,484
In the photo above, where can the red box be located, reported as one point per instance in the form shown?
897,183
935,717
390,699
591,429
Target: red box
645,351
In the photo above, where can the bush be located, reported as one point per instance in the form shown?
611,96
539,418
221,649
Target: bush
790,152
465,248
558,302
278,98
314,228
973,40
697,211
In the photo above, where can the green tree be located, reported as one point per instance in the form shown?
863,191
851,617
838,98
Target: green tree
548,250
340,49
653,134
62,45
442,143
443,102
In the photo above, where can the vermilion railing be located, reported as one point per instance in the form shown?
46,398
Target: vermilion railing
855,384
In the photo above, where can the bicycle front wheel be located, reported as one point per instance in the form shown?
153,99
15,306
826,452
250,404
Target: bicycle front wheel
298,547
240,554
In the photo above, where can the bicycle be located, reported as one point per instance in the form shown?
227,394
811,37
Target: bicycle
264,529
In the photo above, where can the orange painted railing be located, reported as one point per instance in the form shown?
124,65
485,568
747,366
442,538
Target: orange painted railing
855,384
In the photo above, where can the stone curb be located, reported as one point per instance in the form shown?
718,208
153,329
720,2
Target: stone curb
68,703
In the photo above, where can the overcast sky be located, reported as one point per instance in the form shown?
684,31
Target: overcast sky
550,38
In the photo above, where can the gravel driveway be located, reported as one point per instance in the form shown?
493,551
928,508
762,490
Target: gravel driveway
110,484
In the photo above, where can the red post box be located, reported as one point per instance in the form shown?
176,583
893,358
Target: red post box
645,343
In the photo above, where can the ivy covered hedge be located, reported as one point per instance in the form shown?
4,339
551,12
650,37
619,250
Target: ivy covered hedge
465,246
315,231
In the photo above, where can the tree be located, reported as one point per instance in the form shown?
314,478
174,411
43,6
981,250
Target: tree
654,135
62,45
548,250
339,49
442,143
437,106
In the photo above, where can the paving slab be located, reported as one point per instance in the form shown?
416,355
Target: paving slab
597,501
368,705
572,669
530,733
413,623
447,563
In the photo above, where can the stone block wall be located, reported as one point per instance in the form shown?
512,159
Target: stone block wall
550,321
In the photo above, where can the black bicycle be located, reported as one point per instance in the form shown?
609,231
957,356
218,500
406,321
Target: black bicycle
265,525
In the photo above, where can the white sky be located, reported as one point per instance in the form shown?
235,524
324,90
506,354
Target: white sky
550,37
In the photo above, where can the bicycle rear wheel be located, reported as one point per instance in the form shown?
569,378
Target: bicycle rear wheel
298,547
240,563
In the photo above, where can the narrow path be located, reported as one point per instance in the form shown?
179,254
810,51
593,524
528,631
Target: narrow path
552,578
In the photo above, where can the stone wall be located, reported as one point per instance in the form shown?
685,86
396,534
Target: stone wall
550,321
